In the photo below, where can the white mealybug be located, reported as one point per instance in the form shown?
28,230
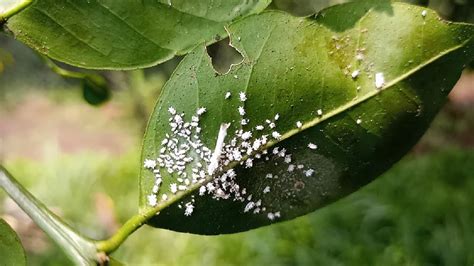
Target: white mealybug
227,95
249,206
291,168
266,190
189,209
246,135
242,96
312,146
299,124
309,172
355,74
241,110
149,164
276,135
152,200
172,111
202,190
271,216
201,110
358,121
424,13
259,127
173,188
379,80
320,112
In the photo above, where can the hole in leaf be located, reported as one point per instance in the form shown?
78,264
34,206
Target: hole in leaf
223,56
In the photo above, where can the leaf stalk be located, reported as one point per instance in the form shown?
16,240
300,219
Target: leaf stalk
79,249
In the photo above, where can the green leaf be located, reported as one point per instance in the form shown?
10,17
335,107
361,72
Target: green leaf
301,69
11,250
110,34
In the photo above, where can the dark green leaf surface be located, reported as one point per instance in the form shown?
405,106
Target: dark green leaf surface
110,34
11,250
294,67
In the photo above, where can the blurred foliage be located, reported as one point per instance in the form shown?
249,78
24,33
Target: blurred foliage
5,59
417,214
456,10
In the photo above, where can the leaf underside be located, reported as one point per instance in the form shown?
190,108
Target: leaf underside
11,250
294,67
109,34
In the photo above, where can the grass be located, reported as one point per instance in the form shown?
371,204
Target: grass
419,213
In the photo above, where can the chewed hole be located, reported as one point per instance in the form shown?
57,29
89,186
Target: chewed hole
223,56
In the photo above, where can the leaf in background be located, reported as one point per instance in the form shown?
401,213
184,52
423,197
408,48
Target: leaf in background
109,34
95,91
364,81
11,250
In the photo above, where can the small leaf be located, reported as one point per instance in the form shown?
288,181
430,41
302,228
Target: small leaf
11,250
95,91
110,34
350,91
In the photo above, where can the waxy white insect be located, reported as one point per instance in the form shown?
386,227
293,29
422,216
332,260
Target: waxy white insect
379,80
241,110
355,74
242,96
149,164
312,146
276,135
201,110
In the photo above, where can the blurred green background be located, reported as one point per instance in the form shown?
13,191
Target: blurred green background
82,161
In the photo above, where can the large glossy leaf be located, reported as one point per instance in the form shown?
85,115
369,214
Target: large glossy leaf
365,82
11,250
110,34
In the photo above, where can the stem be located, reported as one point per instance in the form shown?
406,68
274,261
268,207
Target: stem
13,11
70,74
78,248
111,244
